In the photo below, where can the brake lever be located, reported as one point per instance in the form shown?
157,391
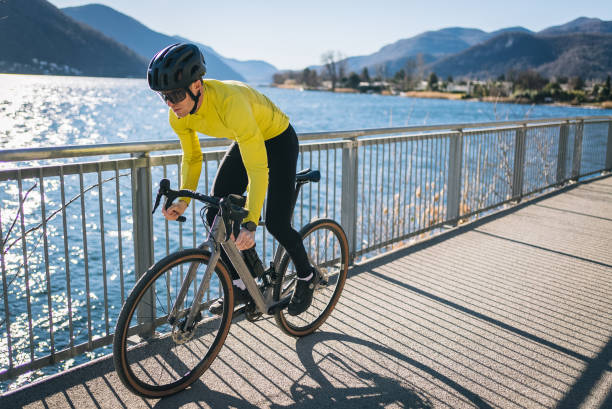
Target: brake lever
164,190
157,199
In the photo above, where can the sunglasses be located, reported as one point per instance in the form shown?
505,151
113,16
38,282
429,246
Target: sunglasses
174,96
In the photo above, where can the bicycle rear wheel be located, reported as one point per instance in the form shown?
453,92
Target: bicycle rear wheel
327,249
155,358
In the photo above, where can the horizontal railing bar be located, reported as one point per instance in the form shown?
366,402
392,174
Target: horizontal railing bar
400,138
71,169
91,167
14,155
57,357
382,131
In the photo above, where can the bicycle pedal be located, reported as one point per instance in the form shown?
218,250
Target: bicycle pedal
250,314
253,316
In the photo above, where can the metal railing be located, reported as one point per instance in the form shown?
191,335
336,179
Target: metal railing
75,236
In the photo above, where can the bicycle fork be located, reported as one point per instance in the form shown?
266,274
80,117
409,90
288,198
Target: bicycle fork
217,230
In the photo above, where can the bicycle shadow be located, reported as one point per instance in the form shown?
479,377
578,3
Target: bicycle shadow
380,391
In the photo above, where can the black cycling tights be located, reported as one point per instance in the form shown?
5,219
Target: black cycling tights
282,161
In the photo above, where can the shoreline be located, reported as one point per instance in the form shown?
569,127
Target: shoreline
453,96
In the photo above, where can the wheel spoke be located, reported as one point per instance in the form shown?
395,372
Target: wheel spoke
171,358
327,250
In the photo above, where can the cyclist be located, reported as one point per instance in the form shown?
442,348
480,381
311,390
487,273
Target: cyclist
262,157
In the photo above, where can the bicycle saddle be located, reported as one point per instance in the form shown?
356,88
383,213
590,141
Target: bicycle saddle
307,175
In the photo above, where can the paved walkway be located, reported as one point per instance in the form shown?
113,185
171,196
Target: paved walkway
513,311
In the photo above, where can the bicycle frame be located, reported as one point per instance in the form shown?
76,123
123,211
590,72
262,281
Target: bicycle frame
214,242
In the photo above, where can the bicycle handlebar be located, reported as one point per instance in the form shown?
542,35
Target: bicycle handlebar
230,206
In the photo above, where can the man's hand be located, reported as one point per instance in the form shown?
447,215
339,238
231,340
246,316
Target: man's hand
245,240
174,211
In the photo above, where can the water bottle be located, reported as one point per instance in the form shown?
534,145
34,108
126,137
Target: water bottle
253,262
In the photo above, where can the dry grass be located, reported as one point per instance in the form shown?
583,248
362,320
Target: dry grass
347,90
431,94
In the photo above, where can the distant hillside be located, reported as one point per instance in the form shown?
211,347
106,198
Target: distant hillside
38,38
581,25
585,55
253,71
143,40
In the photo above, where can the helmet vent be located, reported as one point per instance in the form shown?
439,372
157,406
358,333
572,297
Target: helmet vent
187,57
165,80
178,75
156,76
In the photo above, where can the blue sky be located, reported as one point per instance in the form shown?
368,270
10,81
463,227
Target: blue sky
293,35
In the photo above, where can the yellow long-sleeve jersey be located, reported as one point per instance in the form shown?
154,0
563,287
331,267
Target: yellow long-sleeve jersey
233,110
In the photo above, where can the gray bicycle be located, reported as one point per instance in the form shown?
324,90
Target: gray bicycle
166,338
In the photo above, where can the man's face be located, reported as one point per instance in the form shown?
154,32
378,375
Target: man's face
182,108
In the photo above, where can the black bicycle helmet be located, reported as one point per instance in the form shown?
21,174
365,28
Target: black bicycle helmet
176,66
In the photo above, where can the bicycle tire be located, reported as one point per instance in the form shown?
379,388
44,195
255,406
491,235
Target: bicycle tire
333,266
151,359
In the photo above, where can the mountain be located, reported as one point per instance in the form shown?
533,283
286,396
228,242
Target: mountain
147,42
37,38
571,54
579,48
430,46
253,71
581,25
140,38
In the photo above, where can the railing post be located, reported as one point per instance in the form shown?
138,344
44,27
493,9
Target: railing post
562,154
609,148
143,230
348,205
519,163
576,160
455,164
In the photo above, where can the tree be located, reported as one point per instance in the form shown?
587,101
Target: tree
331,61
432,83
310,78
365,75
353,80
410,77
605,90
420,66
279,78
576,83
382,72
530,80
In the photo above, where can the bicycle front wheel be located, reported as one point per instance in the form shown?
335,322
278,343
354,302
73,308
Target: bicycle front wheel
327,248
154,357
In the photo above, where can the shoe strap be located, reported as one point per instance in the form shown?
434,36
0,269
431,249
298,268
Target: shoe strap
308,278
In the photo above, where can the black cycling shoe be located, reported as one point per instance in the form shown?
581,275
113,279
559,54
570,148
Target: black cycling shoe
240,297
302,295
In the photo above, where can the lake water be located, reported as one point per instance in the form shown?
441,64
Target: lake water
53,111
38,111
